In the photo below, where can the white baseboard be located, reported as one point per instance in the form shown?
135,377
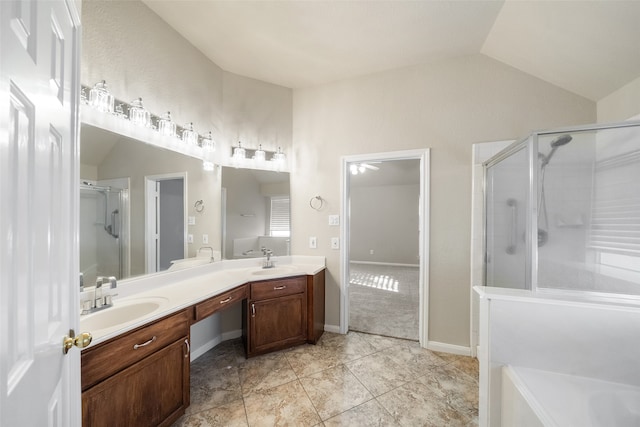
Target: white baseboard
197,352
449,348
231,335
332,328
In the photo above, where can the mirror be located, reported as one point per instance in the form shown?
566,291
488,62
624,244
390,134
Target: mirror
255,213
130,189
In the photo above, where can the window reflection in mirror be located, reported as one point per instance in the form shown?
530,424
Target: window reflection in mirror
256,213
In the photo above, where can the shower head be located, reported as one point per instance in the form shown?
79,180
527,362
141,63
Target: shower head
558,142
561,140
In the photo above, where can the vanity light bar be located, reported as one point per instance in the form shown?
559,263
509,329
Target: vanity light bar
250,153
123,110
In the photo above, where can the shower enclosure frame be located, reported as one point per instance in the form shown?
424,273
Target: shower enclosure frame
122,237
530,143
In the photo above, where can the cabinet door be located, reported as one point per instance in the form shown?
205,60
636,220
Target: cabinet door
277,323
152,392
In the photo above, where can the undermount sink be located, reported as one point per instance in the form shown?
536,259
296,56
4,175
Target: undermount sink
273,271
122,312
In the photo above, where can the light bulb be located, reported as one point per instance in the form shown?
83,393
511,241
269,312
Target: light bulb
189,136
100,98
259,155
138,115
166,126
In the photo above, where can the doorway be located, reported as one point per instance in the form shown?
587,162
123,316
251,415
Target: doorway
385,255
165,211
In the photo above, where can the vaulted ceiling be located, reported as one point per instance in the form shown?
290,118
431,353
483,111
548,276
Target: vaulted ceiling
591,48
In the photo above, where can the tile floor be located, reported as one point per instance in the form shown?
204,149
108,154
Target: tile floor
345,380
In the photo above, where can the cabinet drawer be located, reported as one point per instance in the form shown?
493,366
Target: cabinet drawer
117,354
278,287
210,306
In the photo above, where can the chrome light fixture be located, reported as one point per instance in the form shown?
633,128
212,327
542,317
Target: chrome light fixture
279,159
189,136
100,98
138,115
208,147
166,126
259,155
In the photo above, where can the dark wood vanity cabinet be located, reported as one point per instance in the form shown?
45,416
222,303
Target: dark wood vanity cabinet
140,378
282,313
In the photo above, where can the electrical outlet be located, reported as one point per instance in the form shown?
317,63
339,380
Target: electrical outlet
205,238
189,238
313,243
335,243
191,220
370,251
334,219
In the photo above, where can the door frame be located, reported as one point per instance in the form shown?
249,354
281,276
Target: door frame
423,239
150,209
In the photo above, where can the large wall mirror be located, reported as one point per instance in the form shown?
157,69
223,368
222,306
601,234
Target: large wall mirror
139,204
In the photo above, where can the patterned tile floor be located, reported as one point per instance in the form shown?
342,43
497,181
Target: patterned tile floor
345,380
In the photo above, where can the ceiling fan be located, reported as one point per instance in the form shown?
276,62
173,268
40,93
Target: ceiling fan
357,168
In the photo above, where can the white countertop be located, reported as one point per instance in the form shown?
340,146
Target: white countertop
183,288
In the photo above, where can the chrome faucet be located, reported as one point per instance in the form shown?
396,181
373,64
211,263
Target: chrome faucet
210,250
267,263
98,302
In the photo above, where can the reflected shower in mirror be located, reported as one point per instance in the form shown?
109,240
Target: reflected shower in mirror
136,201
255,214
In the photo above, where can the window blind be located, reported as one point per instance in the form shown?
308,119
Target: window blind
615,221
279,224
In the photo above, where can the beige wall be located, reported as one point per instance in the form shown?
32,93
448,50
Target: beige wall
446,106
621,104
385,220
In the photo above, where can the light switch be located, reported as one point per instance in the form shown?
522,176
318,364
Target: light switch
189,238
313,243
335,243
191,220
205,238
334,219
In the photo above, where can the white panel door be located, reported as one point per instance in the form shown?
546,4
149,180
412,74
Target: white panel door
39,48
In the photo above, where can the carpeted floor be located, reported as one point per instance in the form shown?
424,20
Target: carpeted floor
383,300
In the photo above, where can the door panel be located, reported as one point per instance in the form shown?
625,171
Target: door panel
38,168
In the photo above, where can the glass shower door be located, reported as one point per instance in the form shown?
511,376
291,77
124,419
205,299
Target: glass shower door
506,191
100,233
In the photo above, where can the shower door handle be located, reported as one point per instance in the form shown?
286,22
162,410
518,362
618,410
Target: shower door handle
112,227
513,241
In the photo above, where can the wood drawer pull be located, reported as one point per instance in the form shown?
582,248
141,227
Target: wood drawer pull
137,346
226,300
279,288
